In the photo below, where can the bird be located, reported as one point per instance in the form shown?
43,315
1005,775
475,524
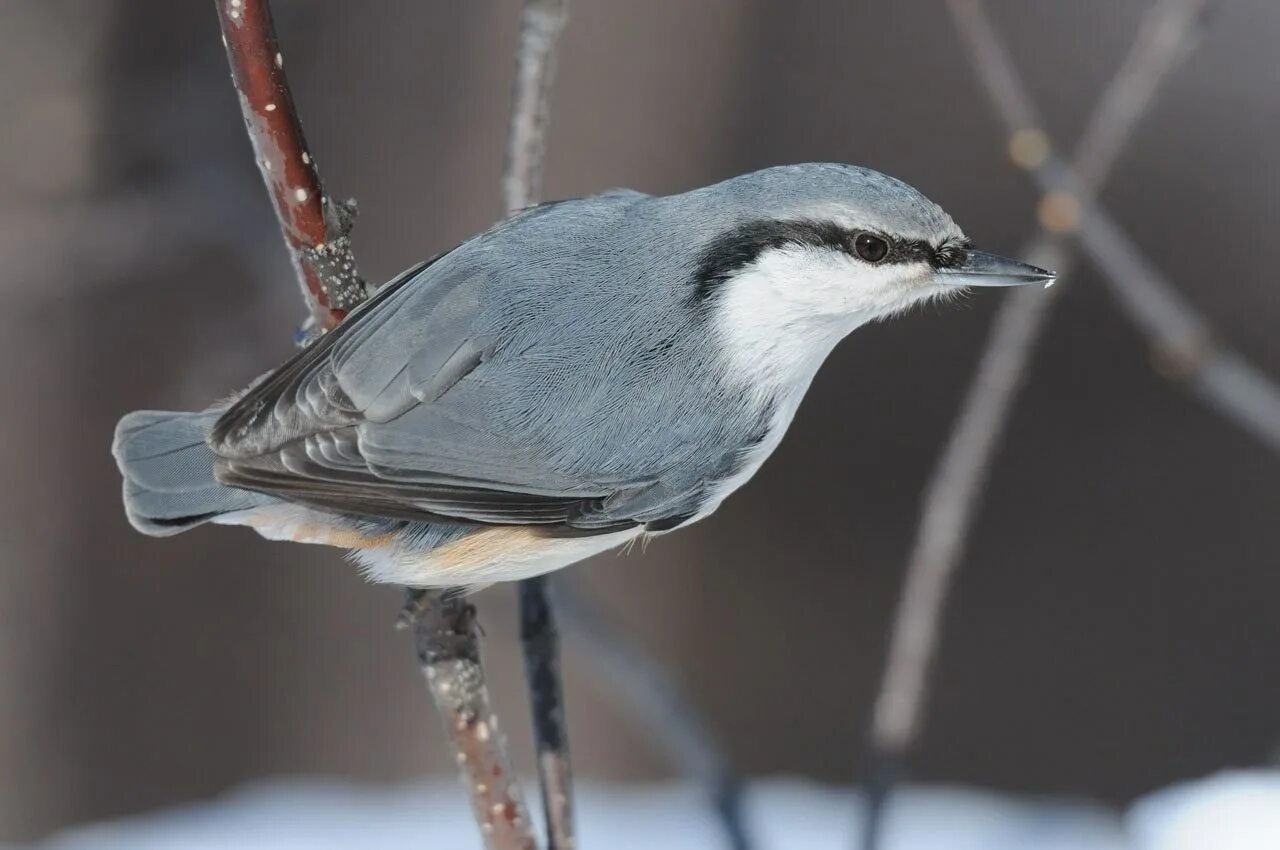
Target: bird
584,374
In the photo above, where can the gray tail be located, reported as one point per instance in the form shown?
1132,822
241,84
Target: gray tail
168,472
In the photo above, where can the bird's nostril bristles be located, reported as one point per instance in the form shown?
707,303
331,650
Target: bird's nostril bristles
951,254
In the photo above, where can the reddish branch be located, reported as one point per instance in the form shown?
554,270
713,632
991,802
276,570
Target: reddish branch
445,634
316,229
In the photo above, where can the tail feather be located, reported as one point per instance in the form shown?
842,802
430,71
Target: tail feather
168,472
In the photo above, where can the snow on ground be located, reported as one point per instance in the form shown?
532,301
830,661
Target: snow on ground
1230,811
1238,810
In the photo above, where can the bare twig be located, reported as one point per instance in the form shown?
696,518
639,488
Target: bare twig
315,228
444,628
541,24
316,231
1184,346
953,493
651,693
637,682
541,641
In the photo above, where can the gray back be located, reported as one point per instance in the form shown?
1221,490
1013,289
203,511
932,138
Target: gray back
558,354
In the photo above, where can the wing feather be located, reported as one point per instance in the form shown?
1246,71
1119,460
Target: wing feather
364,421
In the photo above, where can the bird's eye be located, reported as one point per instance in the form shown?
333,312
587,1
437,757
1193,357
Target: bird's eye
870,247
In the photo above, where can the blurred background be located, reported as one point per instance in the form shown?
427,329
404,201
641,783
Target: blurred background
1115,625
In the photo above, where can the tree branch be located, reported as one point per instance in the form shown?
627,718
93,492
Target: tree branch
652,694
952,495
541,642
542,21
316,231
1184,346
541,24
445,635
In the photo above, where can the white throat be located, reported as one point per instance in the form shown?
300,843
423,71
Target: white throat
778,319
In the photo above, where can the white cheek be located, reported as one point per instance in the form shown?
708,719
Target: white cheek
780,317
813,283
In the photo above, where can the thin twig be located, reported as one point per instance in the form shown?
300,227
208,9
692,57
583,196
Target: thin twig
652,694
1184,347
445,634
316,232
542,21
541,25
541,642
316,229
952,496
636,681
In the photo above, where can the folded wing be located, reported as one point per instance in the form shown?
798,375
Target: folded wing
380,418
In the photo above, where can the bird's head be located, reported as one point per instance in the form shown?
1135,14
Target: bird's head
804,254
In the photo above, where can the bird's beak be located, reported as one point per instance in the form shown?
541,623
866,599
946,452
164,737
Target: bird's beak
982,269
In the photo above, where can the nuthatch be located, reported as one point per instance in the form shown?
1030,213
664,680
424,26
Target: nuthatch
583,373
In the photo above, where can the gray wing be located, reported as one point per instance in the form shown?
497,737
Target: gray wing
391,414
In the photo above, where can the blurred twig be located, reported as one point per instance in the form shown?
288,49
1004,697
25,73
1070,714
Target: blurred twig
1184,346
639,683
315,230
542,22
952,495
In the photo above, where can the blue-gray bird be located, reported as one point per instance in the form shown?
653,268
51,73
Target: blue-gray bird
584,373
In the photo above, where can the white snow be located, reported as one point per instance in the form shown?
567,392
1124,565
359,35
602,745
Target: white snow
1231,811
1235,810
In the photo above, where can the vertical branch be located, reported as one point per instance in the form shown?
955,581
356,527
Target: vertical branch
445,635
952,495
1184,347
316,229
542,22
541,641
651,693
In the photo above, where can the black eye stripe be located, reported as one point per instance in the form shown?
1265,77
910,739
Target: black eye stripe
911,252
947,255
741,246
